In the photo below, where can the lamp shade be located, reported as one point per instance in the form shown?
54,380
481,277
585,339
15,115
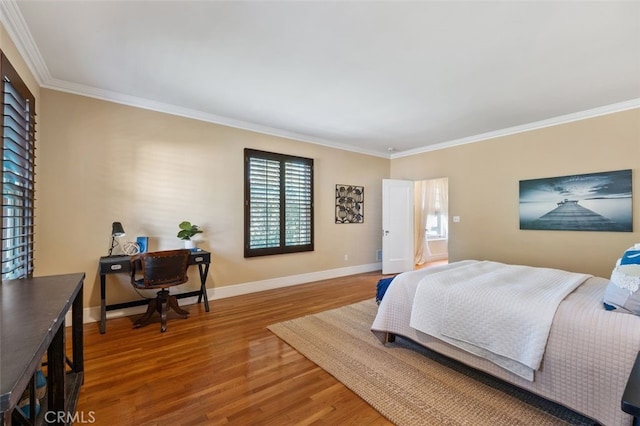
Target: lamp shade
117,230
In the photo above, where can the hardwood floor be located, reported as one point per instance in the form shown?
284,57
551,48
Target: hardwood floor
222,367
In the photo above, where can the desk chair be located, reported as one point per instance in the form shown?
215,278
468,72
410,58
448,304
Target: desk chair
160,270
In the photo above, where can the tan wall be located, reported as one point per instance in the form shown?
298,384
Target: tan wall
102,162
483,191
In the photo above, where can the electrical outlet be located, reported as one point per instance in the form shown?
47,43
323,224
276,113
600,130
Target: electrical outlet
456,219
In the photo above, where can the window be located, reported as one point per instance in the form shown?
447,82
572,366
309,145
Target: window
437,217
18,172
278,203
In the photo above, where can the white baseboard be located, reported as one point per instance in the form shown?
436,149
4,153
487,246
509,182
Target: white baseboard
92,314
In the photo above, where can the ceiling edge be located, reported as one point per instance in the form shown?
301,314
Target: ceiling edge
133,101
147,104
16,27
568,118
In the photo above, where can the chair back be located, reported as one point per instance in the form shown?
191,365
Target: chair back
159,269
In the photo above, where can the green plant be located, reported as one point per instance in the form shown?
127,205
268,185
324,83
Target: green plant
187,230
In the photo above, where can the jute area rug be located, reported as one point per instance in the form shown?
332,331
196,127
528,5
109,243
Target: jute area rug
404,385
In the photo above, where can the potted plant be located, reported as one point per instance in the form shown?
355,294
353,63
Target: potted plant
187,231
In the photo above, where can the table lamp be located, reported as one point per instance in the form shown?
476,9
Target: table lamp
116,231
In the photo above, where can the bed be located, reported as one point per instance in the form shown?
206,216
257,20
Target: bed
587,355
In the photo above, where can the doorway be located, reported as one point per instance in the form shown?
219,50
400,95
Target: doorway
431,222
415,222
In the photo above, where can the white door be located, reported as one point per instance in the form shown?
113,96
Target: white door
397,226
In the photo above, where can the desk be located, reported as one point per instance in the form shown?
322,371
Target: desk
631,396
121,264
32,323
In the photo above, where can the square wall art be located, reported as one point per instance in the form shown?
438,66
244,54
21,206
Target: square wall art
349,204
589,202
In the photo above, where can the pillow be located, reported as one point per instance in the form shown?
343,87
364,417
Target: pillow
630,257
622,292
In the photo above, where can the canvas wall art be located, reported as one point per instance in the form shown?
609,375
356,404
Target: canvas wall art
586,202
349,204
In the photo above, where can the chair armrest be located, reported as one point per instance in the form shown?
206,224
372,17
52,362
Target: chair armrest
136,266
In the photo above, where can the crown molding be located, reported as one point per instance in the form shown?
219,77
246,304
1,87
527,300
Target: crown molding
133,101
555,121
120,98
14,23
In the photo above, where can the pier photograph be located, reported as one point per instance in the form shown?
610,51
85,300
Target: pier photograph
587,202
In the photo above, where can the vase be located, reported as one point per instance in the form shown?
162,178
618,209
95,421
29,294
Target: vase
189,244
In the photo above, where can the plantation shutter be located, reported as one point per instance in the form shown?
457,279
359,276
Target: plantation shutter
265,203
297,183
278,203
18,173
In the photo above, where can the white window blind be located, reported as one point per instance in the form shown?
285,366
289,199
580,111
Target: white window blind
278,203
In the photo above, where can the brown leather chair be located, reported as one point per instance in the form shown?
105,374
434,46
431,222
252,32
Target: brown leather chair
160,270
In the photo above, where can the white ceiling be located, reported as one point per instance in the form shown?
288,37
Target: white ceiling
361,75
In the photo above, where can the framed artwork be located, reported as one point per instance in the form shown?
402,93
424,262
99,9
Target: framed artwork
587,202
349,204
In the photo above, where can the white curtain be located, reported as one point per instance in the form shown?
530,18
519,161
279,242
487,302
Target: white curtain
421,248
431,200
443,193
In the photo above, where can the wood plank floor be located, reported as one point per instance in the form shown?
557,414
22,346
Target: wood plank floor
222,367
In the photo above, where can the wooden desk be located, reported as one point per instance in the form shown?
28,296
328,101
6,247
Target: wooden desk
32,322
121,264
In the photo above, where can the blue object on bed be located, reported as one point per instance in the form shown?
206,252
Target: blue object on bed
630,257
382,287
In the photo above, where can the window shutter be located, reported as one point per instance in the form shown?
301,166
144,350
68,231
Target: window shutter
278,203
18,172
264,202
298,204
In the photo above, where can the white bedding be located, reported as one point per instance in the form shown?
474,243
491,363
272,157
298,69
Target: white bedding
587,361
499,312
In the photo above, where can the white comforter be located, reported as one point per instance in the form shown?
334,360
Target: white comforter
500,312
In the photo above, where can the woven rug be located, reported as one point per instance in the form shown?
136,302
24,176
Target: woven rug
408,384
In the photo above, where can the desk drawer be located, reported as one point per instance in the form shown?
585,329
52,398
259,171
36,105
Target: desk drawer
114,264
199,257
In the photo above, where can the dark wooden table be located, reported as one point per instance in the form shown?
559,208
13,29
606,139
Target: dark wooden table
631,395
121,264
32,323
